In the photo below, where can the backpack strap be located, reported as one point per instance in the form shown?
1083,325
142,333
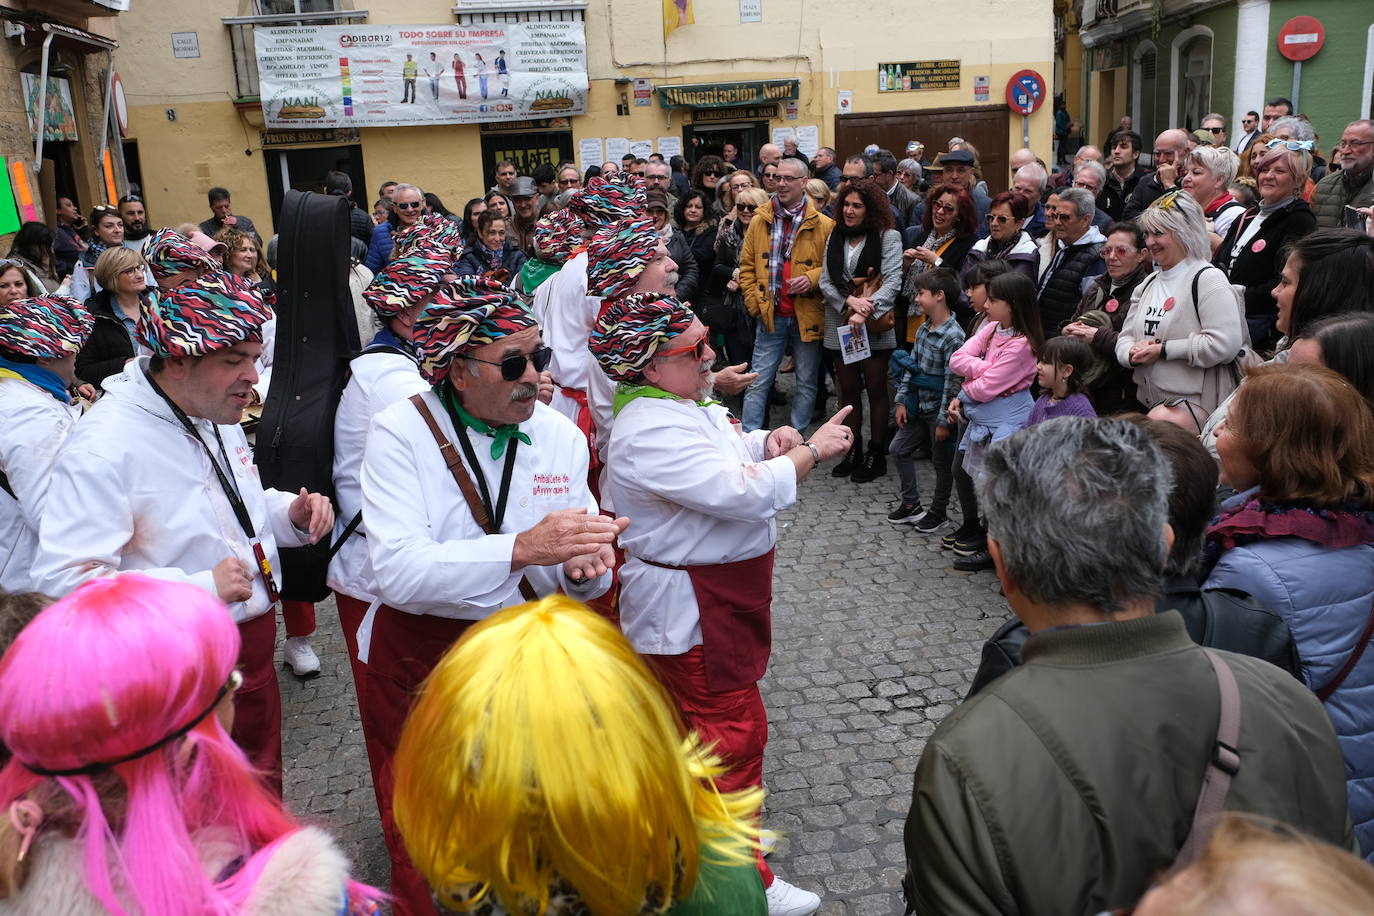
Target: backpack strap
1225,763
454,461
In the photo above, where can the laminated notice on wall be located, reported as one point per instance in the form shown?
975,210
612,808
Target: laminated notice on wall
590,152
616,148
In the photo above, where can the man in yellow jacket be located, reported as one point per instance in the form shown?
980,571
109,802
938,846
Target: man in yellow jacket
780,278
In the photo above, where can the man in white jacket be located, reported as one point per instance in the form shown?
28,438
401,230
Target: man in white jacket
387,371
506,458
39,340
159,479
696,589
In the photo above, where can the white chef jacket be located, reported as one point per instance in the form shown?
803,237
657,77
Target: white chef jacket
33,424
428,554
697,492
379,380
132,491
567,316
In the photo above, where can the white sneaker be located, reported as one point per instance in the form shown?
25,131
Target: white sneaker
789,900
768,844
296,653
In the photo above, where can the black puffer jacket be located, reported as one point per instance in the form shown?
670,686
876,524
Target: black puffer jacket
1061,285
109,347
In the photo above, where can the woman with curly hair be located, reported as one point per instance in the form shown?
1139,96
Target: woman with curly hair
859,283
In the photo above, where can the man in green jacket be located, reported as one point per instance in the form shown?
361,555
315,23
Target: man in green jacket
1069,784
1353,184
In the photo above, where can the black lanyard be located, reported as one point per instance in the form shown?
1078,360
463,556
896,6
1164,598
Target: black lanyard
230,491
496,513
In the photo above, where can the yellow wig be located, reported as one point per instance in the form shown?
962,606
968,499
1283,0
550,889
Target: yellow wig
542,747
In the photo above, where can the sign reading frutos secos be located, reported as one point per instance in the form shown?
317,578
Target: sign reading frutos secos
394,76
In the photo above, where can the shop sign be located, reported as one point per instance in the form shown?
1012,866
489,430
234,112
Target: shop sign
334,136
533,124
728,95
1108,56
747,113
921,74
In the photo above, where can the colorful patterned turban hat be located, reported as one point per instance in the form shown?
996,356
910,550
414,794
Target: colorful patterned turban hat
558,235
434,233
169,252
213,313
405,281
618,254
631,330
468,313
605,201
44,327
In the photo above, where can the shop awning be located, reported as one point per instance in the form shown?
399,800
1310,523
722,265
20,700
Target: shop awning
728,95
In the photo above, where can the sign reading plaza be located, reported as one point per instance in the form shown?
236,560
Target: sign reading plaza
399,76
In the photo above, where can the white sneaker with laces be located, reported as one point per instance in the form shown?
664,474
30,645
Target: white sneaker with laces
789,900
296,653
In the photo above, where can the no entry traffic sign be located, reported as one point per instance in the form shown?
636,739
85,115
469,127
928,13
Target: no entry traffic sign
1301,38
1025,92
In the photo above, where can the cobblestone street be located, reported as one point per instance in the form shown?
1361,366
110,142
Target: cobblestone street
875,639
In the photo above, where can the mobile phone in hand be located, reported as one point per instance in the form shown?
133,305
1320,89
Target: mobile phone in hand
1354,219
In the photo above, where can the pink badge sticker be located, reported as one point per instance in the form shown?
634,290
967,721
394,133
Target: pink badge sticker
1169,304
1258,246
1113,305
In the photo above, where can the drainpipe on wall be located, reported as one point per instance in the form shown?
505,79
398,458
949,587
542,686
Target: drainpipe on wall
41,111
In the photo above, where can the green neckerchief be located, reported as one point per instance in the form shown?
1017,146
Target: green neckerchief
535,272
624,394
500,435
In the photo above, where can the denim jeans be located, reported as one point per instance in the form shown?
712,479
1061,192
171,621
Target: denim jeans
919,431
768,350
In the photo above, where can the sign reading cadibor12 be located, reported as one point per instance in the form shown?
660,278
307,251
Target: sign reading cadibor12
399,76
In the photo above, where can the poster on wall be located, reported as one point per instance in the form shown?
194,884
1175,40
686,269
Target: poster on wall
400,76
59,116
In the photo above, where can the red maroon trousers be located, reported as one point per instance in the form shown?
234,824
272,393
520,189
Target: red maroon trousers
404,650
257,704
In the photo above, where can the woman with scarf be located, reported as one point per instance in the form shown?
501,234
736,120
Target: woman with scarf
114,340
1298,446
1207,175
492,256
859,283
1007,239
943,239
1252,251
39,340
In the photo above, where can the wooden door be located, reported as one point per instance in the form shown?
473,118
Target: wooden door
986,127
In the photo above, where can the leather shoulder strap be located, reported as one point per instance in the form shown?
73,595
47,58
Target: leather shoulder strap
1225,763
454,461
1325,692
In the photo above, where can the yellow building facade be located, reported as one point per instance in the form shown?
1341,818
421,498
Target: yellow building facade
196,122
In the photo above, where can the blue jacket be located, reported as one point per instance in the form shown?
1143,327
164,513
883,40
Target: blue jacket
379,251
1325,594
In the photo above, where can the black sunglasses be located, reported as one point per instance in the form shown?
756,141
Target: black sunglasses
513,366
409,204
712,172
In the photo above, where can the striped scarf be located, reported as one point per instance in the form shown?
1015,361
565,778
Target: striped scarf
785,225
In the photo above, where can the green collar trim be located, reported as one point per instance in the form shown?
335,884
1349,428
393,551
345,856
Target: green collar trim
624,394
501,435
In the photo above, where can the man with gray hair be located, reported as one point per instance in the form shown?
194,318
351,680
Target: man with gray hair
1076,262
1353,184
1170,148
1029,182
1116,717
1092,177
825,168
1215,124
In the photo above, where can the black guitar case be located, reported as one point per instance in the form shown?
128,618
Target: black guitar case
316,335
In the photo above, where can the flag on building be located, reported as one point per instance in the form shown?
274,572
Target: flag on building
676,13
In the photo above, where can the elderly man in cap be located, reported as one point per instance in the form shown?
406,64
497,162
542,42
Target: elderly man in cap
475,496
702,497
520,230
957,168
39,340
159,479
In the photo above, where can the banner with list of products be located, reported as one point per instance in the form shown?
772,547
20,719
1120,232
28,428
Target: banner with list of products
401,76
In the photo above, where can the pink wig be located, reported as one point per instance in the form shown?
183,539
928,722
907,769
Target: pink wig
116,667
